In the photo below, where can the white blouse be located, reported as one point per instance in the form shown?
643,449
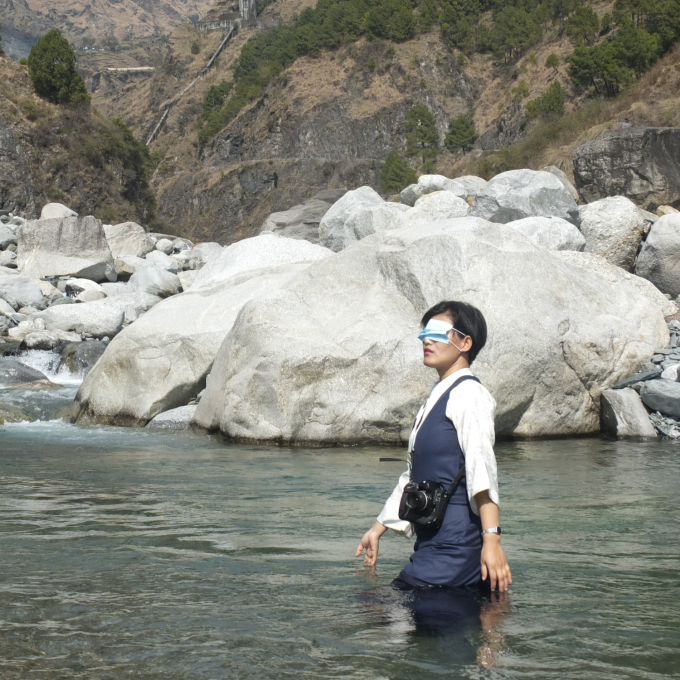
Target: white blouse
471,409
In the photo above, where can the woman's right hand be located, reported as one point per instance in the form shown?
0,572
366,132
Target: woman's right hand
370,543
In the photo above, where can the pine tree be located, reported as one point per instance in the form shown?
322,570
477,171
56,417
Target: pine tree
396,174
461,135
582,25
553,61
422,138
52,68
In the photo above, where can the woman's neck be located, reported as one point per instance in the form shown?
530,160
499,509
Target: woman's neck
458,365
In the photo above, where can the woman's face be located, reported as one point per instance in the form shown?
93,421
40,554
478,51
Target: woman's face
442,356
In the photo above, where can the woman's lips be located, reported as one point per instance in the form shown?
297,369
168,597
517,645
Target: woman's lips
427,352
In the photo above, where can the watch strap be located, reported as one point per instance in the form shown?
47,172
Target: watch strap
492,530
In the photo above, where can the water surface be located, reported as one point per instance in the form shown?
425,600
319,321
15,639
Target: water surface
133,553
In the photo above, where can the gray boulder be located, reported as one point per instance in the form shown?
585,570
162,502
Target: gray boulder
265,250
332,225
340,361
438,205
161,361
164,245
21,291
159,259
302,221
78,358
90,296
154,281
72,246
174,419
658,260
472,184
56,211
640,163
624,416
613,227
428,184
7,237
375,218
207,251
8,258
663,396
554,170
118,288
551,233
186,278
128,240
25,328
516,194
127,265
13,372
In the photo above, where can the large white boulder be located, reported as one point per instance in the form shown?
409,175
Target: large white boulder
659,259
472,184
56,211
438,205
516,194
101,318
128,240
332,225
551,233
371,219
554,170
428,184
154,281
71,246
162,360
159,259
333,356
265,250
613,228
21,291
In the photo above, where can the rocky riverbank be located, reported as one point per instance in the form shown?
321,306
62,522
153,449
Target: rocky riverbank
312,338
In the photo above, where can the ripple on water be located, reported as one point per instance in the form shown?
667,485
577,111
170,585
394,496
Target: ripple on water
133,552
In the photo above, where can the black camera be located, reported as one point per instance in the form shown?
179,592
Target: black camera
423,503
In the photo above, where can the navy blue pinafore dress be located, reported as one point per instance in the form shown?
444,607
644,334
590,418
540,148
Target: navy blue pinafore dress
449,556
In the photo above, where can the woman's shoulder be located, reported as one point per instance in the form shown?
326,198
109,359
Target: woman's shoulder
471,394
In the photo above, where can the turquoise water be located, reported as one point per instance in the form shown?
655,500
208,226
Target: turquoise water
132,553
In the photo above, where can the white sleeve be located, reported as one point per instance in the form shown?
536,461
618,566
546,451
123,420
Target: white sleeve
471,409
389,516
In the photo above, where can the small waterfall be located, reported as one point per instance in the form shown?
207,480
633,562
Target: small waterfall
48,362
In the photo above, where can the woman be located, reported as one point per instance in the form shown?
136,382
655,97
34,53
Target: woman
453,430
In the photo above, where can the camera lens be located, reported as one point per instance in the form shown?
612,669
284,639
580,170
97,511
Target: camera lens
417,500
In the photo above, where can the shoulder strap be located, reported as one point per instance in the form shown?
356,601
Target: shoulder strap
461,472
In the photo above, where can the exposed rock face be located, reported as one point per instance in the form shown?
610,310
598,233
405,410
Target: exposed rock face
663,396
128,240
551,233
613,228
72,246
659,258
302,221
259,252
162,360
16,188
340,362
623,415
640,163
332,226
516,194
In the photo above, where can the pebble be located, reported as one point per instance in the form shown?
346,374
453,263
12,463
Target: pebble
658,358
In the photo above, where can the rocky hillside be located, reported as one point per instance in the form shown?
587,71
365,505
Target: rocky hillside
68,154
95,20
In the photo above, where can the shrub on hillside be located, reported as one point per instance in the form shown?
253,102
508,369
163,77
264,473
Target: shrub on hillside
52,69
395,174
549,105
422,138
461,135
195,47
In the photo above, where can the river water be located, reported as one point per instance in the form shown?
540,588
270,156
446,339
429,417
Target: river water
147,554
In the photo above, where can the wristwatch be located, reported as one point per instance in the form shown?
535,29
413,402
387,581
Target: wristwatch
492,530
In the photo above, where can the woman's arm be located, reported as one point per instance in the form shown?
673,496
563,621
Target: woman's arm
494,565
370,542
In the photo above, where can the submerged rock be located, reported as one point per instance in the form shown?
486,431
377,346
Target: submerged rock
13,372
9,414
333,355
78,358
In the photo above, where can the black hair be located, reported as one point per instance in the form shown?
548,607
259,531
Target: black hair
465,318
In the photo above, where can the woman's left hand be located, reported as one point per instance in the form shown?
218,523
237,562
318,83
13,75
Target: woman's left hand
494,565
